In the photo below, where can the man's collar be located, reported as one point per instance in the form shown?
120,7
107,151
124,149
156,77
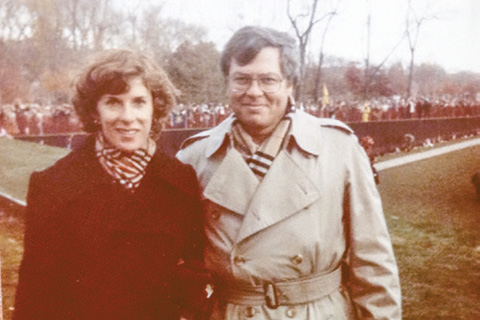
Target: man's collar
305,131
219,136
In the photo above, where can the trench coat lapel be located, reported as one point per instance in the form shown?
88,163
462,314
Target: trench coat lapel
285,190
233,184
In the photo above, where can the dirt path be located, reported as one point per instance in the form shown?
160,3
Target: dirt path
425,154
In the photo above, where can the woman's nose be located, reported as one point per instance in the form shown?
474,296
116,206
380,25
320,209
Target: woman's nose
128,112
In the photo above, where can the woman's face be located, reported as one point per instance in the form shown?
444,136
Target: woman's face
126,119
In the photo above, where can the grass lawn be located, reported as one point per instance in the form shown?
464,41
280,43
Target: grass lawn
433,218
19,159
430,208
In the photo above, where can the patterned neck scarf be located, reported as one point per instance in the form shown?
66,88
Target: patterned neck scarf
126,168
260,158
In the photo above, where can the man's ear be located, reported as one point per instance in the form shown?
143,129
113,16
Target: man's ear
291,103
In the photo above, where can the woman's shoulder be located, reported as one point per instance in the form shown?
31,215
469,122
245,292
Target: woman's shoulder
73,163
179,175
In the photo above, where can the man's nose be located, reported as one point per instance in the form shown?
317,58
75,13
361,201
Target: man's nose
254,88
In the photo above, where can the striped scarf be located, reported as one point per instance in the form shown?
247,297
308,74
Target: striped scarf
126,168
260,158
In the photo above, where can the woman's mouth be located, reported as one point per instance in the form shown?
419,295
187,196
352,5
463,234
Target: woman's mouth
127,132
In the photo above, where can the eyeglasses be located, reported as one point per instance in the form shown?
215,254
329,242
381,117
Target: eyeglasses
268,83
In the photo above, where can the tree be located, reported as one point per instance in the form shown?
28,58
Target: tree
413,23
321,56
397,78
163,36
354,79
429,76
13,20
195,71
13,31
303,36
373,73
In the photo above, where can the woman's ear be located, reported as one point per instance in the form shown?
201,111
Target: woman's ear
96,118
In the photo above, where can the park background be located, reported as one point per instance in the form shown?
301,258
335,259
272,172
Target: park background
390,56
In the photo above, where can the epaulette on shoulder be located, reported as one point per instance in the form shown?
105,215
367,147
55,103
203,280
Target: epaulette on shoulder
336,124
196,137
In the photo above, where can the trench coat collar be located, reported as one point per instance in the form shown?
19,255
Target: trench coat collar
305,131
285,190
233,184
280,195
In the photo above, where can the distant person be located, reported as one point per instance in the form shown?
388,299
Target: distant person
366,110
21,118
3,125
367,143
294,220
114,229
476,183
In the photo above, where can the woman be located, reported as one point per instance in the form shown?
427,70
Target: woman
114,230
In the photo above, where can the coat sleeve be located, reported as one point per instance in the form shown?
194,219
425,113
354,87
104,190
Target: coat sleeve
371,269
195,299
40,290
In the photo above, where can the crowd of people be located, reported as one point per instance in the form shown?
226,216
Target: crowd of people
37,119
396,109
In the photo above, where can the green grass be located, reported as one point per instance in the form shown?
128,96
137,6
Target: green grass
19,159
11,251
431,212
433,218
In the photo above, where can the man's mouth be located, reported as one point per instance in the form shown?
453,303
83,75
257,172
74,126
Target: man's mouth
253,106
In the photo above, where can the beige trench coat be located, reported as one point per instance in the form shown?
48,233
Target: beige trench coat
316,209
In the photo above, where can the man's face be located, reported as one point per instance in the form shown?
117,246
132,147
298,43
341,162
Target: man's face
258,111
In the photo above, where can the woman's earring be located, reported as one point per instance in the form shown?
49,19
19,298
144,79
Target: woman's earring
96,122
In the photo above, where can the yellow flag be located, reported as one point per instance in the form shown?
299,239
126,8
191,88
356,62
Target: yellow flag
325,99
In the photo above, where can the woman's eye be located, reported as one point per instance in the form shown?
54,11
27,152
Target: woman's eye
112,101
139,102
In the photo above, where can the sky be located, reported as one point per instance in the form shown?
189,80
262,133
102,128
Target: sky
449,38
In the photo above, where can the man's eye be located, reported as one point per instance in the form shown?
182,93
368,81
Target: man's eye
241,80
269,80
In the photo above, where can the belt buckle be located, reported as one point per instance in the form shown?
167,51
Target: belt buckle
271,295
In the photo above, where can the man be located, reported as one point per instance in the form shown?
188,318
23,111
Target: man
294,221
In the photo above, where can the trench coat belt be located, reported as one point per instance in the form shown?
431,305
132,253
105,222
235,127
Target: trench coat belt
274,294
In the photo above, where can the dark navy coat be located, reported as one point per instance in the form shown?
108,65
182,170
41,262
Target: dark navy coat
94,250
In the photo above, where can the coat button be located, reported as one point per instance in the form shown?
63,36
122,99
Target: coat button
291,312
238,260
297,259
250,312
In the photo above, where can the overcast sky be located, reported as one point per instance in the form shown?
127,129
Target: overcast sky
451,40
